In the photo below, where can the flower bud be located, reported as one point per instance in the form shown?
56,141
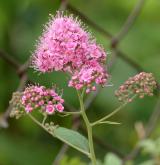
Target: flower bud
141,84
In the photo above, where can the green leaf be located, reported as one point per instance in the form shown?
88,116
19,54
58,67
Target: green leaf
112,159
72,138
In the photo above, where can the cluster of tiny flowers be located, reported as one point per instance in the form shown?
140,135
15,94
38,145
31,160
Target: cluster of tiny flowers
141,84
17,110
66,46
88,76
44,99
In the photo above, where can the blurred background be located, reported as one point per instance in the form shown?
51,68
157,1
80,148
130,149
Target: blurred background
21,23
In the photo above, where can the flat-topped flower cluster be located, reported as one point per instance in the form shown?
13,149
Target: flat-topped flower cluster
66,46
39,97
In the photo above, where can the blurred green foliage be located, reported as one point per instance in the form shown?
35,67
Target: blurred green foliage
71,161
21,23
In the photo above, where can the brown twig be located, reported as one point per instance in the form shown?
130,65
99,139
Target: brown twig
20,68
148,130
89,21
21,72
63,5
5,115
128,23
9,59
60,154
107,34
129,61
153,119
23,68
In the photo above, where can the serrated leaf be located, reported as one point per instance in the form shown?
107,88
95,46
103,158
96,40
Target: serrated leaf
72,138
112,159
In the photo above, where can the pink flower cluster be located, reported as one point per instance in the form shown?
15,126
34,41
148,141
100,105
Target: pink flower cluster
88,75
44,99
66,46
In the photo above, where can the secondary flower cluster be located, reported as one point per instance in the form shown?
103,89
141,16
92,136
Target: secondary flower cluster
66,46
141,84
44,99
88,75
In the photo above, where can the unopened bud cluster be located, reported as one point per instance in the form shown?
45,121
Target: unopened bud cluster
39,97
141,84
50,127
17,110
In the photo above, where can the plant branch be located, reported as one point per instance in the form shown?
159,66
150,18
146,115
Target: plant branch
9,59
89,21
109,115
71,113
89,129
148,130
128,23
63,5
5,115
105,145
108,35
44,119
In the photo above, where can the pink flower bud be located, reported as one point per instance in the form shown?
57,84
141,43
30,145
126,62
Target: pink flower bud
59,107
28,108
93,88
88,90
50,109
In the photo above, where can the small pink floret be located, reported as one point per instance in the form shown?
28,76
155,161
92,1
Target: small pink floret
28,109
59,107
50,109
41,98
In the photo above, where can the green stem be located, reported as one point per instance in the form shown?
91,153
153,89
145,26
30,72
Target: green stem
111,114
41,125
71,113
89,129
38,123
44,119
